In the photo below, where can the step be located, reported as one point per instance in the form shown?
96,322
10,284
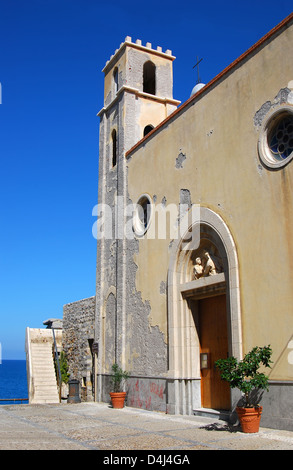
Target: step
222,415
42,351
44,374
48,401
41,344
46,396
45,378
45,399
46,391
41,355
44,383
44,386
42,397
39,358
44,364
45,367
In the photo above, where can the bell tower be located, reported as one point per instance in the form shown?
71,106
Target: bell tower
138,92
138,95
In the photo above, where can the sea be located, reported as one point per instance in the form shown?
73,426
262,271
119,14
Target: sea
13,381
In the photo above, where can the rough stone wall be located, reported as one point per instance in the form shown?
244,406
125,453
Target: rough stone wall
78,336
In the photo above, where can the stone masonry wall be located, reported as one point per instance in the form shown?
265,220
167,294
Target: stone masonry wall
78,337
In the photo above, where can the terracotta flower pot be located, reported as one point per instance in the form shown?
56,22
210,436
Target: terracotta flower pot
117,399
249,418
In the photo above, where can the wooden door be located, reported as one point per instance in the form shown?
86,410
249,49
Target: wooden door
213,335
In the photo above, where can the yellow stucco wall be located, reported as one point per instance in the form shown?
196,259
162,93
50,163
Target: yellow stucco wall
222,172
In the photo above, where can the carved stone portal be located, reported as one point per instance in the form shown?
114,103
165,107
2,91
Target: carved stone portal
207,262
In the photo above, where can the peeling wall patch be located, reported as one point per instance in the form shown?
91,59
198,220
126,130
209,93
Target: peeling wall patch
179,160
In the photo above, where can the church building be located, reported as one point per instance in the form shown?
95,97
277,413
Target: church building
194,229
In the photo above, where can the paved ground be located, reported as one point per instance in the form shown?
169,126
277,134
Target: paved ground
95,426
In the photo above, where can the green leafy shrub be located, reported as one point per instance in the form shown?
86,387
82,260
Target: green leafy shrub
245,374
64,367
118,378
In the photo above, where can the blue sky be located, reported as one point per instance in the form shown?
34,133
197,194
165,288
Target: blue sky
51,56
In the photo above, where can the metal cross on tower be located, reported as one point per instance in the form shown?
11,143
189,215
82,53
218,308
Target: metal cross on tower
197,65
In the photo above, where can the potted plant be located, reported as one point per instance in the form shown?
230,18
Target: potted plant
245,376
118,379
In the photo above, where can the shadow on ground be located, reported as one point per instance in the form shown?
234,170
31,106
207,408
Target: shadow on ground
222,427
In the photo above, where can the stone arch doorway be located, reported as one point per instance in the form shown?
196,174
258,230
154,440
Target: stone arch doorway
206,237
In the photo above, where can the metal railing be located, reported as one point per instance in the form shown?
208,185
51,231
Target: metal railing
14,399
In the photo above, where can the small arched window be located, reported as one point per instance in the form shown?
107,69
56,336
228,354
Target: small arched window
147,129
115,78
114,148
149,78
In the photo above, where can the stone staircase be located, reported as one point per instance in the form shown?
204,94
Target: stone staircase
42,383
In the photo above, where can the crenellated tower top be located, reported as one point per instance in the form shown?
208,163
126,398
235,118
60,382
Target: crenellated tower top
138,45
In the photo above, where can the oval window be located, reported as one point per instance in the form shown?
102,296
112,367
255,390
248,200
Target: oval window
142,215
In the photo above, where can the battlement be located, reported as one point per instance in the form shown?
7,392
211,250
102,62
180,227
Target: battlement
138,45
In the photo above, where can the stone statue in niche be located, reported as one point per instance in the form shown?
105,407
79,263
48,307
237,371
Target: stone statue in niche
205,266
198,268
210,267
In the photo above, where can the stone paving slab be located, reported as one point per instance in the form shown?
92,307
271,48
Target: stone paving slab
97,426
